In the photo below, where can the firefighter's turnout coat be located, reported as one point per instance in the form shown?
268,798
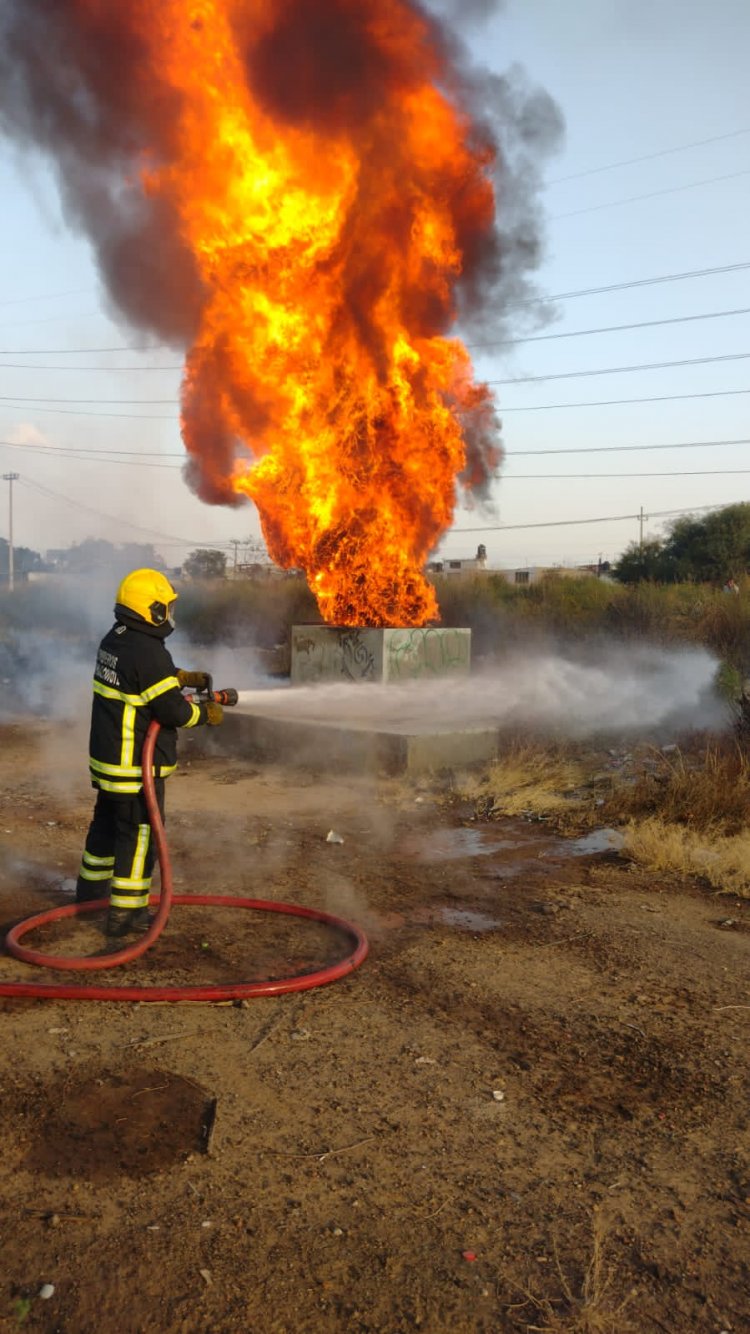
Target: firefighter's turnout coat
135,681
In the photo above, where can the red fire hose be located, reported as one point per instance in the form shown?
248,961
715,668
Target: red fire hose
221,992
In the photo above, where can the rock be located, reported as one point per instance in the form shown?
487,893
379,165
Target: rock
333,837
46,1291
498,1095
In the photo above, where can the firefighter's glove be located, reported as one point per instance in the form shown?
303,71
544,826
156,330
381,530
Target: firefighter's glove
198,680
214,713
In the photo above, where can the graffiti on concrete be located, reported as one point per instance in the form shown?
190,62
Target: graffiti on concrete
328,653
357,661
438,652
304,645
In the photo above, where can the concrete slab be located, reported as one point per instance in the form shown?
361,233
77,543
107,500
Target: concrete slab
340,653
393,748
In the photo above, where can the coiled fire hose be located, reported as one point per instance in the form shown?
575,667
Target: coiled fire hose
229,991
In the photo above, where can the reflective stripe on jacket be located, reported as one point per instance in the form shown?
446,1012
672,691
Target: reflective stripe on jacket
134,682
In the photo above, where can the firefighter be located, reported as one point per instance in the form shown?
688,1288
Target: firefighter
135,681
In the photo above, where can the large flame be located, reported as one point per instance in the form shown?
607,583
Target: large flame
335,194
327,187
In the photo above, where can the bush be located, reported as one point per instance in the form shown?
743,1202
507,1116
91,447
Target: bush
502,615
258,614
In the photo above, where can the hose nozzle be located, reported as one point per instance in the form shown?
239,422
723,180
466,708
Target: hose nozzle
227,697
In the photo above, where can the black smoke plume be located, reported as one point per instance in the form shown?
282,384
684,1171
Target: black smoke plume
77,83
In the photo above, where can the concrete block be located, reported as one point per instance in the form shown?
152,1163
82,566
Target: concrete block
390,748
340,653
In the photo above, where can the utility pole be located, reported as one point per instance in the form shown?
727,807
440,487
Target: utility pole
233,541
640,540
10,478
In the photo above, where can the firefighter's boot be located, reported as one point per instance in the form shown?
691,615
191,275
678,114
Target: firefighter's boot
88,893
126,921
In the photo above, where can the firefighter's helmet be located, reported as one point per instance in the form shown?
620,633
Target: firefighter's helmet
149,595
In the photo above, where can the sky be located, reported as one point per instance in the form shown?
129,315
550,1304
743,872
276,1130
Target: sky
663,84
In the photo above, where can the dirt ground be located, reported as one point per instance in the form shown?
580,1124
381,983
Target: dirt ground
528,1110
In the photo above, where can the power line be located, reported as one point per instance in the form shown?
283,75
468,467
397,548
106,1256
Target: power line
527,379
530,301
50,296
623,449
604,476
19,366
73,455
115,455
72,412
652,194
617,402
574,333
604,518
73,351
647,157
534,407
110,518
55,319
636,282
108,402
500,342
141,459
83,449
534,379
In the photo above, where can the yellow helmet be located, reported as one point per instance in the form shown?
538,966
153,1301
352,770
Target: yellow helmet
149,595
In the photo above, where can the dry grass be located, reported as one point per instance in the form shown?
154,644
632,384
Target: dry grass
593,1310
529,779
722,860
708,790
685,813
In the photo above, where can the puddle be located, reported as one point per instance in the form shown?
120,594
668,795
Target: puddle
129,1124
445,845
598,841
527,841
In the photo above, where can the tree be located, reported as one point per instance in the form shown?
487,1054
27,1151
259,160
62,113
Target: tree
95,556
205,564
24,561
638,563
710,549
713,548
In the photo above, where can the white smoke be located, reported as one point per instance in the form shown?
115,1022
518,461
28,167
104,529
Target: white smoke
617,689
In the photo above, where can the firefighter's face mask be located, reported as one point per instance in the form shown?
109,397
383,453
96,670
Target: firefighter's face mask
162,612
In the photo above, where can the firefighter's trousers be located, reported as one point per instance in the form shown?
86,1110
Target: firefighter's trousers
118,859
